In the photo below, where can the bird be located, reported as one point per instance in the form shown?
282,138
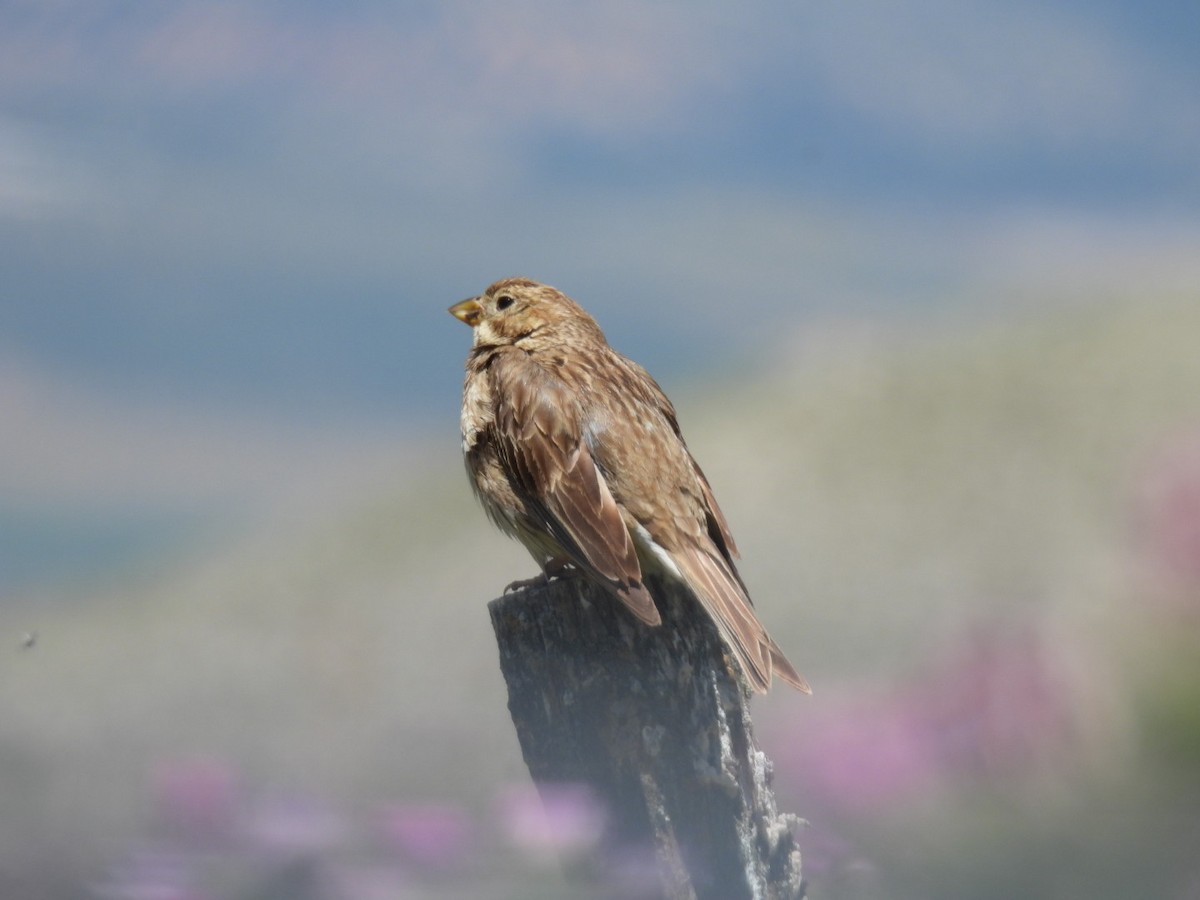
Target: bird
574,450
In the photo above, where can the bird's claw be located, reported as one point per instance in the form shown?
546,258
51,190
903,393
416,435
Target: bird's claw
521,583
554,568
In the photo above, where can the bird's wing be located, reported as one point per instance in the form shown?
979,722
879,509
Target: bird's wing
667,493
641,382
539,437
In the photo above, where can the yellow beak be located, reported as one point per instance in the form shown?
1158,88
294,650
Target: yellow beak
468,311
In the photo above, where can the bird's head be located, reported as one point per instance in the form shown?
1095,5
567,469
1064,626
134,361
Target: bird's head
517,310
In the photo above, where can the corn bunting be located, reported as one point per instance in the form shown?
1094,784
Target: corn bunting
575,451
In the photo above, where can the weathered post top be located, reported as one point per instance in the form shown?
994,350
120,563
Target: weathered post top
652,722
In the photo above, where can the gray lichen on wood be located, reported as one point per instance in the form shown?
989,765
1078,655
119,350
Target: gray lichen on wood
655,724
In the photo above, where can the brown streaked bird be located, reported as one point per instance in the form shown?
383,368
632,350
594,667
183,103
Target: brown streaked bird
575,450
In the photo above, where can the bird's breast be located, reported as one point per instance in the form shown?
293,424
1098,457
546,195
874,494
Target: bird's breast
476,411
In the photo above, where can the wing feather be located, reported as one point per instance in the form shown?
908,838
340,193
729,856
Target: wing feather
721,593
642,382
540,435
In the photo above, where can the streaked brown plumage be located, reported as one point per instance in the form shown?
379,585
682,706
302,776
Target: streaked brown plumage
575,451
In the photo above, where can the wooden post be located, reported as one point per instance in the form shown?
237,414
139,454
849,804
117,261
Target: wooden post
652,723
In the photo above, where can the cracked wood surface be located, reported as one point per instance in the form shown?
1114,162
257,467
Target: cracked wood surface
655,727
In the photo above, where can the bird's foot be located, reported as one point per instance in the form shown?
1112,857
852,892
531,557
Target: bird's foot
521,583
553,568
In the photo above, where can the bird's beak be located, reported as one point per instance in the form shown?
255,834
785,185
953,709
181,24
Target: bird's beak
468,311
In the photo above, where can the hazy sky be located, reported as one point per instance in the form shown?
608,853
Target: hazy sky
270,205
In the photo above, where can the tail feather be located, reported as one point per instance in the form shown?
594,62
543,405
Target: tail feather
784,669
720,592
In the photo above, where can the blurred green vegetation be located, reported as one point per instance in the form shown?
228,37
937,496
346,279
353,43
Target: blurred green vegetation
952,530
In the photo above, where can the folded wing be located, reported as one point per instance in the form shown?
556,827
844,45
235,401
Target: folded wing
540,438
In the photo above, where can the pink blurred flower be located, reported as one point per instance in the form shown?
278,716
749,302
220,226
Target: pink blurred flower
553,819
865,756
294,825
824,851
999,702
1167,510
198,798
993,706
433,834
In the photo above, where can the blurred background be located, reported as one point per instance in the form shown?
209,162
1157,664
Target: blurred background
922,278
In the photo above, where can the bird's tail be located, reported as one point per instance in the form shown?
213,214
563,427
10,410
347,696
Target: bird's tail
723,597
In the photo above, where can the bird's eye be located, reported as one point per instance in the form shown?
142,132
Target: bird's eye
504,302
